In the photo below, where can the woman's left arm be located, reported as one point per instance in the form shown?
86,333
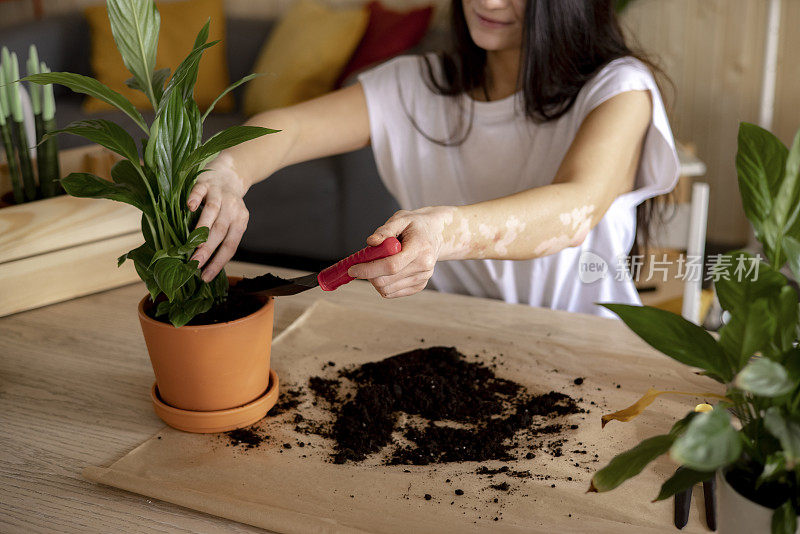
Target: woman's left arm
599,166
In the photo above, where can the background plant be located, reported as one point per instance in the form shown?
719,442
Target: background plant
756,355
173,154
12,130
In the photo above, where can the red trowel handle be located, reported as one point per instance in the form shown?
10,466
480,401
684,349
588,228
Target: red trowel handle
336,275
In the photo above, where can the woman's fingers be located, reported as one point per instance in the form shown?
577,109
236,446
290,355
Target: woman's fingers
197,195
407,291
392,228
389,285
225,251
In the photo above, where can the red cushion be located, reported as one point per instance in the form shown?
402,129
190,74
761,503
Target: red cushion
388,34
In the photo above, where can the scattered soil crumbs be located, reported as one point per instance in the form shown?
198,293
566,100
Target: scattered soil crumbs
245,437
289,400
504,486
463,411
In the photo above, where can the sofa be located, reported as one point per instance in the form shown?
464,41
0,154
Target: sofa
303,216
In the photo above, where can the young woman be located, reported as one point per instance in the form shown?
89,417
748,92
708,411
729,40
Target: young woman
533,142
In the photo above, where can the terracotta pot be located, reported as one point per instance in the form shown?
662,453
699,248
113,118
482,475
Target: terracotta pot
736,514
210,367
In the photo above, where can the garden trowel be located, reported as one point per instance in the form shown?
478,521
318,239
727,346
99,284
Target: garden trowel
269,285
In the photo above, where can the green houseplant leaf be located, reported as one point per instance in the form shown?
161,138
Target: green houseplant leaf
630,463
91,87
784,519
683,479
225,139
765,378
172,273
786,429
135,25
676,337
709,442
82,184
105,133
228,90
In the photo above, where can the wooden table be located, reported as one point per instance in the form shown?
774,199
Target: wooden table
74,381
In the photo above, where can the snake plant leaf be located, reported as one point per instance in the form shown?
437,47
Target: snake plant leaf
82,184
225,139
105,133
91,87
676,337
630,463
172,273
784,519
230,88
765,378
786,429
683,479
135,25
709,442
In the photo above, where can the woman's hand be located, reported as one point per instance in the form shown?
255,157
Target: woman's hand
408,271
221,190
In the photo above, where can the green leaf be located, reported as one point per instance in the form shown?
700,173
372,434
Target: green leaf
683,479
749,330
630,463
709,442
225,139
197,237
141,256
784,519
228,90
135,25
760,165
774,467
85,185
791,246
163,308
786,429
676,337
172,143
160,77
182,313
105,133
172,273
738,289
186,74
91,87
765,378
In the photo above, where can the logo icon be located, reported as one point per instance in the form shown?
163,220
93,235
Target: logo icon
591,267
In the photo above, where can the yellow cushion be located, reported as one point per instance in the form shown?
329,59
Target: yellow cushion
180,22
304,55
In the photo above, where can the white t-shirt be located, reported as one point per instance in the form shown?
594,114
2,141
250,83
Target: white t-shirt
506,153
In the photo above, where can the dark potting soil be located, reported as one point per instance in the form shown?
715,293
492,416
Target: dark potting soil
258,283
772,494
467,412
235,306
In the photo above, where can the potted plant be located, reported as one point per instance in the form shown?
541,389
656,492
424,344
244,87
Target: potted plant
212,374
752,437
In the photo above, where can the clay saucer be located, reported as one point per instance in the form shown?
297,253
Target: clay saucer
220,420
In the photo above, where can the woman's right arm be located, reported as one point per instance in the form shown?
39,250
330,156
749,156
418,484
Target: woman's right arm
332,124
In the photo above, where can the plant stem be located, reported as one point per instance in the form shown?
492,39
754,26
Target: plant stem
11,160
47,151
28,181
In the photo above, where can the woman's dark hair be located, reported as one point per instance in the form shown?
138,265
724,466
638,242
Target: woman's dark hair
564,44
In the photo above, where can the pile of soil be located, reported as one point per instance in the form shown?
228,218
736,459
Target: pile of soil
461,411
258,283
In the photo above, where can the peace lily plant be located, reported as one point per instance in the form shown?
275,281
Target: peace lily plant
157,180
753,433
